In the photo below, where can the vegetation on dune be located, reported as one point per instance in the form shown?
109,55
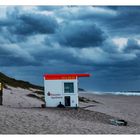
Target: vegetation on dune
86,100
17,83
40,92
36,96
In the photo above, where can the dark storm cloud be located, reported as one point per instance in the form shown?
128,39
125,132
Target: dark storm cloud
85,12
28,24
126,21
17,27
117,20
9,61
132,45
80,34
8,37
77,34
19,24
49,8
6,22
14,55
56,56
112,7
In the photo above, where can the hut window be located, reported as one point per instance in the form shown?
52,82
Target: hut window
69,87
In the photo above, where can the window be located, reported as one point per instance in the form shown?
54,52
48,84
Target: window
68,88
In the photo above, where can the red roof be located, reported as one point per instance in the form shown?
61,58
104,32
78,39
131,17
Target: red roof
64,76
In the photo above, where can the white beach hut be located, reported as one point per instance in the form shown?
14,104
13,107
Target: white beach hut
62,88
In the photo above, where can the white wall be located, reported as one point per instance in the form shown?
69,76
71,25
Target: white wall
56,88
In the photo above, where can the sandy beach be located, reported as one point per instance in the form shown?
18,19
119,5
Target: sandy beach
21,114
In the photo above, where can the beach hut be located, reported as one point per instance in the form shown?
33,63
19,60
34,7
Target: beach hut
62,89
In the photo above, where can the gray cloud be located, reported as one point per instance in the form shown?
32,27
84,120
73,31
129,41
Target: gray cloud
125,22
116,20
49,8
20,23
14,55
132,45
80,34
28,24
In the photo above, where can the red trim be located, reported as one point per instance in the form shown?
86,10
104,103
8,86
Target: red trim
64,76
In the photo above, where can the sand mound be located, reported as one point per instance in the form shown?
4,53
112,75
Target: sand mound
82,114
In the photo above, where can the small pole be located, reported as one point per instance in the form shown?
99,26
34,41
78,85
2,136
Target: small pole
1,94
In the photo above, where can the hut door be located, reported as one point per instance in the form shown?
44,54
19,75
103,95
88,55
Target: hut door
67,100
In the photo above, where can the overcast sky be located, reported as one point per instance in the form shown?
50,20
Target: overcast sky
102,41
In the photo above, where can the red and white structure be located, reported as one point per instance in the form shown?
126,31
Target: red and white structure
62,88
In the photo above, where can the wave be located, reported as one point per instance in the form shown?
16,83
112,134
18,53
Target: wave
128,93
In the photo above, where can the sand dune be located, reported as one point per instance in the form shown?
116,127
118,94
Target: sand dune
21,114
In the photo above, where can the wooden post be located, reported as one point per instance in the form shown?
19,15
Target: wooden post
1,94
